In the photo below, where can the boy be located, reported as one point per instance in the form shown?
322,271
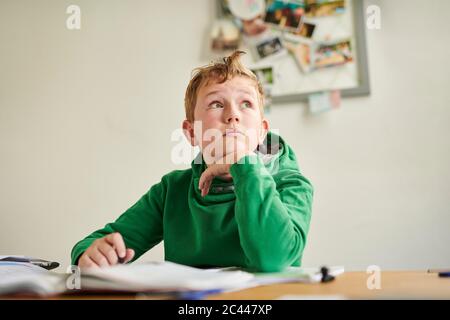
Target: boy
242,203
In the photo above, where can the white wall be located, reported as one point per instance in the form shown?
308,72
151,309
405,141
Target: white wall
86,118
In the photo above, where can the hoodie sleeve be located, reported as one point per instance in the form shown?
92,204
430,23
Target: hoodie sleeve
140,225
272,213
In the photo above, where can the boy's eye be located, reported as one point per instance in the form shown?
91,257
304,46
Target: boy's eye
246,104
215,105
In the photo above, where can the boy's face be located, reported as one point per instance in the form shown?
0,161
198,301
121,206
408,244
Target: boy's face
227,117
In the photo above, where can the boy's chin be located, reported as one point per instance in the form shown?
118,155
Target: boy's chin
228,153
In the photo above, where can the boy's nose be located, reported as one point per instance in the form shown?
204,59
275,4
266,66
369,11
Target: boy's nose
232,118
231,115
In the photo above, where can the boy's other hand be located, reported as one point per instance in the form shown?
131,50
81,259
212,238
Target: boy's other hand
106,252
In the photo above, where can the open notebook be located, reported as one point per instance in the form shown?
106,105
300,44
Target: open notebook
26,278
162,277
152,277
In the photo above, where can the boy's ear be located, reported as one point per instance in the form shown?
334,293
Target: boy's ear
264,130
188,130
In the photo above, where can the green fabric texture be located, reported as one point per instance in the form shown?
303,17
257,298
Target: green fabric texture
258,222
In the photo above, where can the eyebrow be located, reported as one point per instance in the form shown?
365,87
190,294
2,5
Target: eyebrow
240,90
212,92
245,91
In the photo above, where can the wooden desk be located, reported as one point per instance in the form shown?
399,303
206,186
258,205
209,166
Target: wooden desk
353,285
350,285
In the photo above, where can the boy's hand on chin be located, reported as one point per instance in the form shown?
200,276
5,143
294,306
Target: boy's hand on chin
221,168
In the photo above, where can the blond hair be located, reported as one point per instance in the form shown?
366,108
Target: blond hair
220,72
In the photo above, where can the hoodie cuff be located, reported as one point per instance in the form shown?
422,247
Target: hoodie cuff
250,165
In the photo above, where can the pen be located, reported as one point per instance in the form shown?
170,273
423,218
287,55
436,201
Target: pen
45,264
49,265
438,270
444,274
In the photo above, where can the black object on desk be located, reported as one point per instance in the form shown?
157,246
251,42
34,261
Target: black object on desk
326,277
48,265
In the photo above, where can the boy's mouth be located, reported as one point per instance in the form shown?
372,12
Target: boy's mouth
233,133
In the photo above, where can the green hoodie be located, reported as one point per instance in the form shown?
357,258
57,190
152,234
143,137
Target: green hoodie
259,221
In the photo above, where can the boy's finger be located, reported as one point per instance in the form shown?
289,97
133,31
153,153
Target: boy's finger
206,186
129,256
116,240
86,262
211,172
200,182
202,188
205,175
99,258
108,251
